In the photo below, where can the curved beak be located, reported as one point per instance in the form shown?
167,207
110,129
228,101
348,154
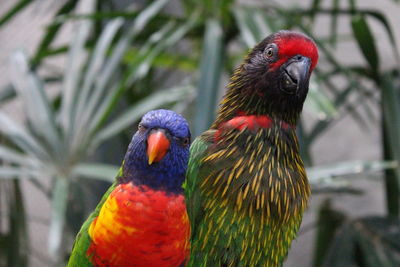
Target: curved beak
296,74
157,145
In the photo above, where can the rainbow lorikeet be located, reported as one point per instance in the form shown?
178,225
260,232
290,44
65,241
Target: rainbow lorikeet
142,219
246,187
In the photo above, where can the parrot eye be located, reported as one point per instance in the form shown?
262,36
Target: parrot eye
185,141
141,127
271,51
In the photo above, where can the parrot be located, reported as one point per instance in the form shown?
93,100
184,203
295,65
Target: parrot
246,187
142,220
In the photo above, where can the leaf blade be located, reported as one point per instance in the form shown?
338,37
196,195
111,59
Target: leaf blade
134,113
36,104
210,72
59,203
99,171
365,41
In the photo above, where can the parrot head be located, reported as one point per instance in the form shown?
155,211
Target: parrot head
282,64
159,151
273,78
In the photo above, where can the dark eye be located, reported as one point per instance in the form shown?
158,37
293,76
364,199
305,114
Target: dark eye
185,141
271,51
141,127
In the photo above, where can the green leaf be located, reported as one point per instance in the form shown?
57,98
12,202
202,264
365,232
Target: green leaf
369,242
139,70
57,217
211,68
365,40
155,38
144,16
391,115
315,6
329,220
341,101
385,23
51,33
246,31
326,178
73,74
9,155
264,26
341,96
17,233
390,106
98,15
7,172
89,95
36,104
109,100
379,240
165,60
133,114
318,103
341,251
391,178
18,7
7,93
166,37
105,172
148,52
252,25
348,168
334,22
96,63
20,136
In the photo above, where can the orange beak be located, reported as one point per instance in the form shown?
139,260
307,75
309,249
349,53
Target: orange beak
157,146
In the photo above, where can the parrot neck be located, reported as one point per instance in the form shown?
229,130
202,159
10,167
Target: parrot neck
163,179
242,97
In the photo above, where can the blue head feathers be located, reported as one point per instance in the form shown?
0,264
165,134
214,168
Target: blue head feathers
167,172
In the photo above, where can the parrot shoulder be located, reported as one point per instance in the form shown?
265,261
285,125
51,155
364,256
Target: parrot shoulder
82,241
198,150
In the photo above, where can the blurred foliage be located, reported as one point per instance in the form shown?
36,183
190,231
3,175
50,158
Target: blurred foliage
13,243
369,241
124,60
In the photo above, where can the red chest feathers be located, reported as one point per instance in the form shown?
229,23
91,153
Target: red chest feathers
140,227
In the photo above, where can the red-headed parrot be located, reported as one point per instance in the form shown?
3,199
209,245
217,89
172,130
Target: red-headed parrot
246,186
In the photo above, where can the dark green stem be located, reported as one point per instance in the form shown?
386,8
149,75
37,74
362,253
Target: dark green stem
391,181
329,221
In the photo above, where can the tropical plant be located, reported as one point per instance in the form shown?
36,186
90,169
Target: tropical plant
59,134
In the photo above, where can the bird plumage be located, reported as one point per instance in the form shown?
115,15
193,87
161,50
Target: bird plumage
246,185
142,218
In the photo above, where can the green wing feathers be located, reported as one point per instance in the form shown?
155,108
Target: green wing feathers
82,241
193,201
